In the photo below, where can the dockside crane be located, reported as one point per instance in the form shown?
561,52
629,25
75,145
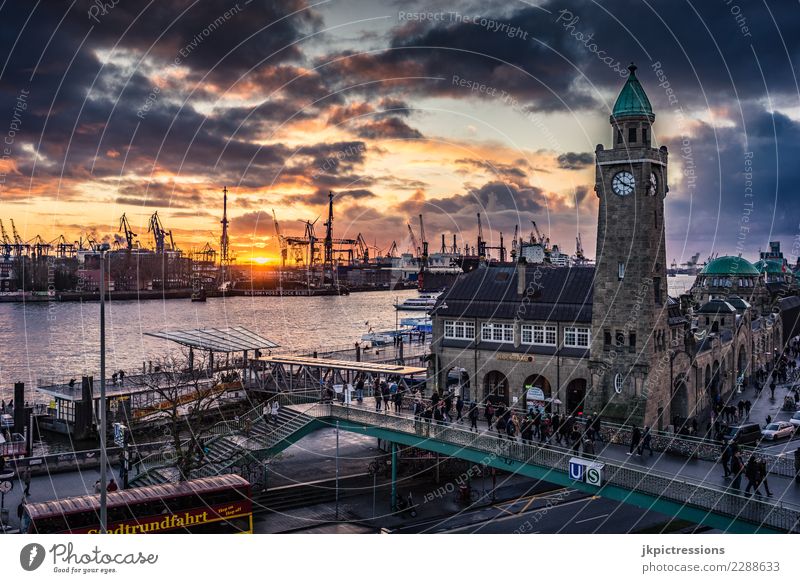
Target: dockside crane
414,245
281,240
155,227
424,255
6,241
580,257
125,226
39,247
20,247
64,249
392,250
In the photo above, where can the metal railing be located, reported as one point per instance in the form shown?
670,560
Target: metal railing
676,489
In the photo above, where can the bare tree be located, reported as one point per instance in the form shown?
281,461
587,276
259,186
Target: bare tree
183,401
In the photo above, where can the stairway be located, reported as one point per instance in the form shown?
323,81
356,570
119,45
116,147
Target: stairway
232,444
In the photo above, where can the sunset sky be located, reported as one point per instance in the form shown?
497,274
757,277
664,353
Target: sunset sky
399,108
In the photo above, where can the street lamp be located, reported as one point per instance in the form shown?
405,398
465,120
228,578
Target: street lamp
103,453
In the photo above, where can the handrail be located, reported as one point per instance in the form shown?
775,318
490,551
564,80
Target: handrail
683,490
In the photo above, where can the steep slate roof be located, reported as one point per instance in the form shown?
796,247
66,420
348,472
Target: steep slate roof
632,100
558,294
716,307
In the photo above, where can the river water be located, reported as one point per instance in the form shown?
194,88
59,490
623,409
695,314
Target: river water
60,341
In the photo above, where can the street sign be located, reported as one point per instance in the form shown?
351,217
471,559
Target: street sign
588,471
6,486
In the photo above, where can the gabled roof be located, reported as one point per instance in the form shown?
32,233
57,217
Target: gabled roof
562,294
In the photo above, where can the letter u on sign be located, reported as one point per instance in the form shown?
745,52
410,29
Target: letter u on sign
576,469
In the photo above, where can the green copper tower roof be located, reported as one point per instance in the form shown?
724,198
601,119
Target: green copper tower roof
632,100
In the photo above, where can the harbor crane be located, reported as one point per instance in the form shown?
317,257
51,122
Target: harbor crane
39,247
424,255
64,248
281,240
580,257
160,234
6,241
20,247
481,242
125,226
414,245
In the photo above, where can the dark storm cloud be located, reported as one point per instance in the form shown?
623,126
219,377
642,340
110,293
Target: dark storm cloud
509,171
390,128
575,160
745,187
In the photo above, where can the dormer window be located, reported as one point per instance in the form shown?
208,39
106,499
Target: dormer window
631,134
644,135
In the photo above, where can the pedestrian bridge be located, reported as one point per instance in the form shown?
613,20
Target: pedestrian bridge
243,446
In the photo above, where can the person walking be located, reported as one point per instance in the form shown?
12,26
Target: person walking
763,473
387,397
772,389
472,413
459,408
636,437
526,433
647,437
511,428
752,473
575,439
555,427
725,459
488,413
736,470
26,480
360,390
378,397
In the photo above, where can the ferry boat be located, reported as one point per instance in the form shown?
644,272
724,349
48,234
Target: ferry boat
422,303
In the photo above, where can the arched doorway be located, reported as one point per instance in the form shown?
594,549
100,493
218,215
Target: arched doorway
535,381
679,404
495,387
576,395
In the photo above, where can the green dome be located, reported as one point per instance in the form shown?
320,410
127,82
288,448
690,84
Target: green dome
729,265
632,100
770,266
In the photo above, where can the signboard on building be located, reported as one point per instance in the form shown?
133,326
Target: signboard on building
587,471
514,357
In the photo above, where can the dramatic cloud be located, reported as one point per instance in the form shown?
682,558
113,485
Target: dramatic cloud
575,160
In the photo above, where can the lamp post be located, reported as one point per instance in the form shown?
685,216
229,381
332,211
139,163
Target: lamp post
103,452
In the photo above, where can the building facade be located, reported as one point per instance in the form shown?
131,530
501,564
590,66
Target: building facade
607,338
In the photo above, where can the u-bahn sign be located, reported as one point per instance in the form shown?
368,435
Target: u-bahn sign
588,471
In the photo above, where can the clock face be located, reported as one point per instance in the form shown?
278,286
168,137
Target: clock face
619,382
623,183
653,185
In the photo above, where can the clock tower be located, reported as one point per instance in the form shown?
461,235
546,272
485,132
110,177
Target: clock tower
630,345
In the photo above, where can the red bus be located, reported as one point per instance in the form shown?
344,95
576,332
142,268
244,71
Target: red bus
218,504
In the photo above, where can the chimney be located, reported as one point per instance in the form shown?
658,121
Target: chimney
521,278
